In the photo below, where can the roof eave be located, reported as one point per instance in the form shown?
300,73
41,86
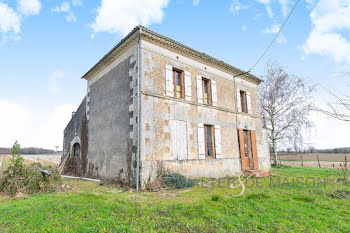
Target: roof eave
208,57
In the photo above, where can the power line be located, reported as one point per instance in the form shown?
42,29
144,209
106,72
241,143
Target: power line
268,47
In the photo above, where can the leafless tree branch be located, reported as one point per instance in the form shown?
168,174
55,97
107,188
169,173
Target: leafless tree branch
339,107
286,102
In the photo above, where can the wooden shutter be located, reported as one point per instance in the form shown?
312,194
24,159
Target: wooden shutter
199,89
179,139
218,142
201,143
239,106
188,91
254,149
214,93
249,103
169,81
241,152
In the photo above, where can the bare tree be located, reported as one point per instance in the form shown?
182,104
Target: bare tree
285,102
339,108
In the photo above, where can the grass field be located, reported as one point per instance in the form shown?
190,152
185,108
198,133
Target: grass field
89,207
310,160
313,157
6,162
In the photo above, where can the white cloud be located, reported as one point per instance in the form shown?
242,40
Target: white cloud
244,28
13,120
66,7
236,6
195,2
284,6
10,21
30,127
77,2
281,39
29,7
267,7
51,128
325,126
56,75
269,11
264,1
119,16
71,17
330,23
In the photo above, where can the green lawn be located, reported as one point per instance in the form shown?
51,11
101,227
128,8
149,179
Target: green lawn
89,207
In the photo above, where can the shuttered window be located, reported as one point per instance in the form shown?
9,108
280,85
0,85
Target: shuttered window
206,91
188,90
178,83
199,89
179,139
244,101
209,141
243,96
201,143
169,81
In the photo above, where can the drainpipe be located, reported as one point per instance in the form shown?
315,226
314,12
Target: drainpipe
138,114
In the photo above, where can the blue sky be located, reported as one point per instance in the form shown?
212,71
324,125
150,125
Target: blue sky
47,45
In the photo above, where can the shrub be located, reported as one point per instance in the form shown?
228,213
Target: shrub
27,179
178,181
16,160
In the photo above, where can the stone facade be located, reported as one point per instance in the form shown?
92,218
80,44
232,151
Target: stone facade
166,121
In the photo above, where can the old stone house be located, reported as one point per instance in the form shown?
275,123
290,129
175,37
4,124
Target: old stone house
154,105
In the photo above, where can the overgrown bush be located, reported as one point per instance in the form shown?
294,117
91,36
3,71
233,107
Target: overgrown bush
19,178
178,181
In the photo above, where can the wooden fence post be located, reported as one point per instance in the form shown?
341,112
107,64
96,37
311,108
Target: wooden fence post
279,158
318,160
301,158
346,163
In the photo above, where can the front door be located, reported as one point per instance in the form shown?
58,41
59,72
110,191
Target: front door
246,149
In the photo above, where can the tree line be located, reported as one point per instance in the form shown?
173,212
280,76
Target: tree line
28,150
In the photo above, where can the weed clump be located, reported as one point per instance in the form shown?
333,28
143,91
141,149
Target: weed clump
340,194
178,181
215,197
19,178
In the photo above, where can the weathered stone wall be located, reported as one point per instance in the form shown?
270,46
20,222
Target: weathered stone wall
158,110
76,132
111,121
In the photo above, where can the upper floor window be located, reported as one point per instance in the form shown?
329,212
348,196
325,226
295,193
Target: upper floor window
244,106
178,83
206,91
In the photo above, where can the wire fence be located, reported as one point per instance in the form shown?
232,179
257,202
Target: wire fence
314,160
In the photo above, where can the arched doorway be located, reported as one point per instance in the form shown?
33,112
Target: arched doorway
76,150
76,158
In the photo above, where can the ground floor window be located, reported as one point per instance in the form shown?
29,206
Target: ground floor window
209,141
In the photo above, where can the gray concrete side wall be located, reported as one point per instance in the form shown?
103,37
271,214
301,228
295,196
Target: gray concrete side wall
76,132
111,151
